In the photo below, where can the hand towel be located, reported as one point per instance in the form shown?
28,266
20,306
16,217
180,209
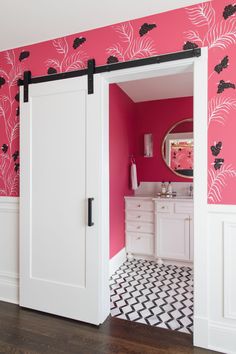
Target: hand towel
133,174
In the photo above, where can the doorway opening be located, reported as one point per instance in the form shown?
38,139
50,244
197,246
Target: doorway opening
151,212
151,277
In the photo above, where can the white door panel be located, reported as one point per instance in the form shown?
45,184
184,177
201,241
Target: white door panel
58,169
59,254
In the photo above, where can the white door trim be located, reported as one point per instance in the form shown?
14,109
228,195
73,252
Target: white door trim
201,281
199,66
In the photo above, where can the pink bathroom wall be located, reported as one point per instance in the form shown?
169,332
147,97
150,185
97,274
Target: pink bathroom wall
128,121
183,128
211,24
157,117
121,146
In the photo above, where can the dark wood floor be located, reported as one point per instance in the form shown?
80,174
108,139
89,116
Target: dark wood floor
26,331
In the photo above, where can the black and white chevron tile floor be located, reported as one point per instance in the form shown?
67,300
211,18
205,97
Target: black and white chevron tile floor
161,296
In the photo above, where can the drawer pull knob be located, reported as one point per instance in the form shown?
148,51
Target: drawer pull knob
162,207
138,227
139,216
139,205
138,238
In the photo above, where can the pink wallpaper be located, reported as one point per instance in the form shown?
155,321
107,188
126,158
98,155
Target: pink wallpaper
157,117
211,24
121,146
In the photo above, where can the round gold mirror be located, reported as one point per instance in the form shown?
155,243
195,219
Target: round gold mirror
177,148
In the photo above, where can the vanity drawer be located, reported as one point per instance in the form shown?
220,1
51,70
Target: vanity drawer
139,204
139,216
165,207
139,243
184,207
140,227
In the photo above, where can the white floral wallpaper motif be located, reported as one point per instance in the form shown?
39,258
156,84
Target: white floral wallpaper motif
9,115
211,24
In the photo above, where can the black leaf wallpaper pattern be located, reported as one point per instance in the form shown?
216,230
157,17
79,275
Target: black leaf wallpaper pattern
2,81
112,59
17,97
145,28
16,166
225,85
189,45
229,11
223,65
15,155
24,55
210,24
216,149
78,42
218,163
4,148
52,71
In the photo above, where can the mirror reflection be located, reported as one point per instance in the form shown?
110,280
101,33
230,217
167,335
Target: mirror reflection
177,148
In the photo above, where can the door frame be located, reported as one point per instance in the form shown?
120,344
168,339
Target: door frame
199,67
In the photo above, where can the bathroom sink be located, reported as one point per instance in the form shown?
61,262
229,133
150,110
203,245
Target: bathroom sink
183,197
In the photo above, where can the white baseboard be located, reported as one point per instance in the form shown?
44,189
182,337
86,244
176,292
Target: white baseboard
200,336
117,261
163,261
9,287
222,338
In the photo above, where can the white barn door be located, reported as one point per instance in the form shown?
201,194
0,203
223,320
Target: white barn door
60,255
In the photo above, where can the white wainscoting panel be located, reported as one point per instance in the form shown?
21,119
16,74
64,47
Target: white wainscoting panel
229,245
9,249
222,277
221,240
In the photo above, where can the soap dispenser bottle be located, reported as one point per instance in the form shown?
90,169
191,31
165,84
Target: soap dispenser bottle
163,188
169,190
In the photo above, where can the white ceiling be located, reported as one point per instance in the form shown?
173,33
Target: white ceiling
157,88
29,21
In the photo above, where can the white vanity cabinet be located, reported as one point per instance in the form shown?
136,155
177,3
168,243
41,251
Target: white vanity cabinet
139,225
159,228
174,230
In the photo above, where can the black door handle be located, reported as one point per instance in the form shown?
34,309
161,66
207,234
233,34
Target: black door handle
90,211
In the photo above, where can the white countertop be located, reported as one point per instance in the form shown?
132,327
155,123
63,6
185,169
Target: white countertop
139,197
178,198
174,199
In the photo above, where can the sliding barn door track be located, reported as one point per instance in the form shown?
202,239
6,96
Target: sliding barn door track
93,69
